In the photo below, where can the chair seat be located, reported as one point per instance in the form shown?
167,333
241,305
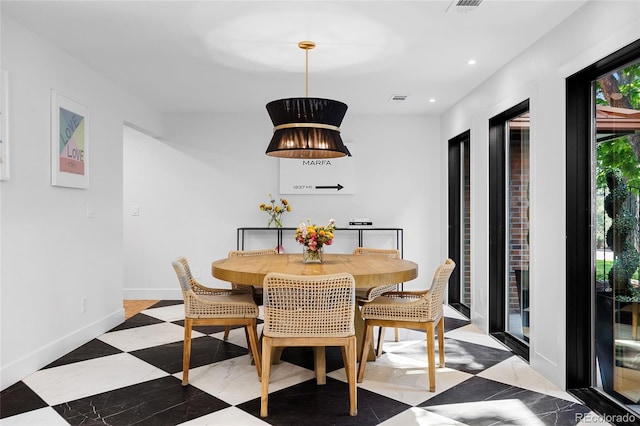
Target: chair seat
398,308
238,305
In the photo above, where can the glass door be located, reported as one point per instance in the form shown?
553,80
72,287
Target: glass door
603,148
616,236
517,214
460,222
509,282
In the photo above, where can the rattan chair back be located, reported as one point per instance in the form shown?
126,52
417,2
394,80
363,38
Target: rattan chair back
308,306
392,253
260,252
434,297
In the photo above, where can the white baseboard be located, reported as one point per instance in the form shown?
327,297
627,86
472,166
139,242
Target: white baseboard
19,369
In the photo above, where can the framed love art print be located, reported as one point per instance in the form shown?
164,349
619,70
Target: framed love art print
69,142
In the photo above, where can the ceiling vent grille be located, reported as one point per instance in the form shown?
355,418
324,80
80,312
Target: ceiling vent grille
464,6
398,98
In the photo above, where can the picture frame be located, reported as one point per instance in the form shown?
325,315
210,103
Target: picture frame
4,124
70,159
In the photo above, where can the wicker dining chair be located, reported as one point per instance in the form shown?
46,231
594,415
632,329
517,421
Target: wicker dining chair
256,293
421,310
212,306
364,295
314,311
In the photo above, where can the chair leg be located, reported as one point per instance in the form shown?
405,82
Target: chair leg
368,337
431,356
345,360
226,333
266,371
186,351
441,341
350,369
320,360
252,334
381,331
397,334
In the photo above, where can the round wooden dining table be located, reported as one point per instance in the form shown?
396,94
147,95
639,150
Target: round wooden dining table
368,271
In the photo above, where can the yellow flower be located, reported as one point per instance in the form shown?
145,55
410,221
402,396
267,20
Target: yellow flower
275,211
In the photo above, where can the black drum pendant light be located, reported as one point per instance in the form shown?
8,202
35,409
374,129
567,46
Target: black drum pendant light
306,127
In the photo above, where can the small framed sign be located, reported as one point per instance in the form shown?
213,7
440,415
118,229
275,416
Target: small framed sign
69,142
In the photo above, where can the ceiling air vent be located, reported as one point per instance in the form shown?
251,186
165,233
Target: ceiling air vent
398,98
464,6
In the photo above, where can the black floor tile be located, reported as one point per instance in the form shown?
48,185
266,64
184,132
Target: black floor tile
523,404
472,358
157,402
204,350
303,357
94,349
310,404
138,320
453,323
18,399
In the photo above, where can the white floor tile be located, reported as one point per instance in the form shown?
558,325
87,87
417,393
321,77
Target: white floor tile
43,417
147,336
420,417
78,380
504,412
228,416
166,313
452,313
236,381
237,336
516,372
404,378
471,333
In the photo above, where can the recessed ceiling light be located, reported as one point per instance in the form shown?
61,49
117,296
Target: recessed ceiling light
432,100
471,62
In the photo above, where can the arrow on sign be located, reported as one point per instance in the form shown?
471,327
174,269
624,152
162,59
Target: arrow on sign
338,187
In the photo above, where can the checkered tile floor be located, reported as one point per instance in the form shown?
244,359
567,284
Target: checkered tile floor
132,375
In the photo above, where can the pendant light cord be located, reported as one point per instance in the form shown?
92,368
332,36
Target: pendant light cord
307,73
306,45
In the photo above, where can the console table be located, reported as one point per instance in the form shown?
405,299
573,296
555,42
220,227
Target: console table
244,231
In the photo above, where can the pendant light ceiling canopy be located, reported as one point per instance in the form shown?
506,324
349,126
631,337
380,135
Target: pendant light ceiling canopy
306,127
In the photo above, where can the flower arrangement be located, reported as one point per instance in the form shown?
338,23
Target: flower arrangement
275,211
313,236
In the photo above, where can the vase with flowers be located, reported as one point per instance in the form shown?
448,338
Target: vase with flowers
313,238
275,211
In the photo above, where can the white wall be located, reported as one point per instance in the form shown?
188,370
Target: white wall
209,174
52,254
539,75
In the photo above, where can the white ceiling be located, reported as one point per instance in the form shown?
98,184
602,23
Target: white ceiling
186,56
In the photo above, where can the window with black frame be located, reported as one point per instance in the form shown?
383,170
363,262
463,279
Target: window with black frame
509,228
